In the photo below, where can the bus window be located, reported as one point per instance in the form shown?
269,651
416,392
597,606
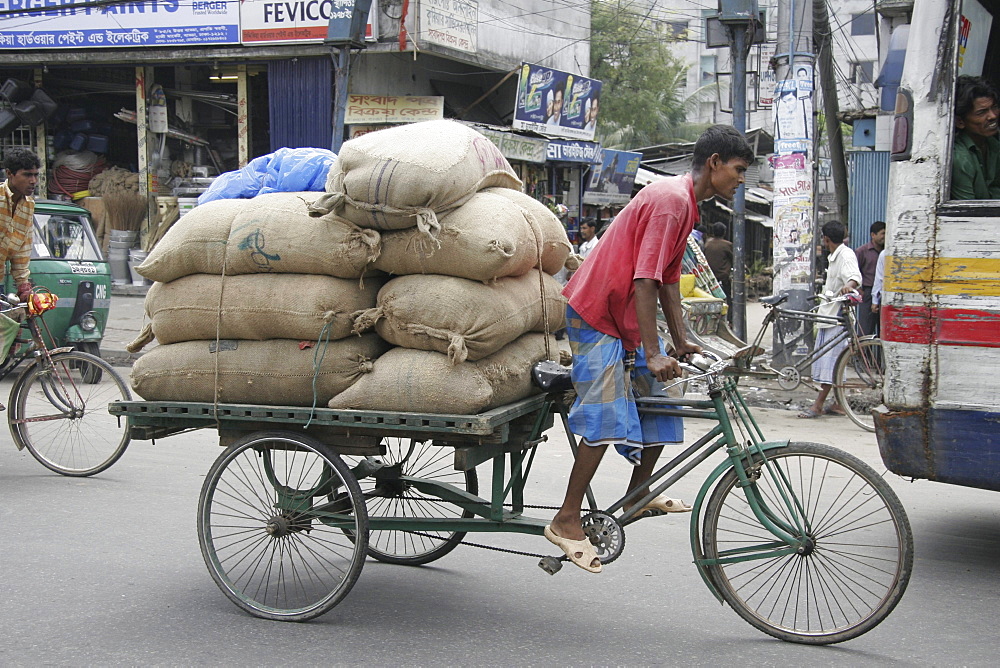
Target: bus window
975,156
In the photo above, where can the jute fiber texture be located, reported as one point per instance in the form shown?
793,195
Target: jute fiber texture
549,231
466,320
404,176
427,382
272,233
275,372
258,306
490,236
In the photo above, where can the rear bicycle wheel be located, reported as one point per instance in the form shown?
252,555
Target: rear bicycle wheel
858,379
272,518
62,418
857,554
389,492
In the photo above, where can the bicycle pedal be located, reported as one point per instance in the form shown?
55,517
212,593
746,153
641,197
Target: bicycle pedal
551,565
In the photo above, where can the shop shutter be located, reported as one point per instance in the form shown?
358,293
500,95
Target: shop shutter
300,94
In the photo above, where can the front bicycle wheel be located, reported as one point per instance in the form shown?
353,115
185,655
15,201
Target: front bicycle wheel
856,550
389,490
859,378
273,519
59,412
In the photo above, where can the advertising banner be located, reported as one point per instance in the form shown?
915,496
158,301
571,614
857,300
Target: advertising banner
296,20
556,103
452,23
393,109
612,181
141,23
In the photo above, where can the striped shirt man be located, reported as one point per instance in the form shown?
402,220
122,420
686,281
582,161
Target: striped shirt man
16,225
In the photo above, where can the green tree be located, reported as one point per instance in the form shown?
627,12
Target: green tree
642,100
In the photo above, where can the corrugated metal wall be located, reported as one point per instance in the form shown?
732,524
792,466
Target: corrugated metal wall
869,183
300,94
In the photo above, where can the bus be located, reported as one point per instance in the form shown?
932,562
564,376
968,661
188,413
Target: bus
940,319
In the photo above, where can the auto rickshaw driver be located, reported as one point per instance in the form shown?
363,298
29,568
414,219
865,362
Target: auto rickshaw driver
17,209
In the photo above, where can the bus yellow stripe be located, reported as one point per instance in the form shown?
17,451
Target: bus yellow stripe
943,276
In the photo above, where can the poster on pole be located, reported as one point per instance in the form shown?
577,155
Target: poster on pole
556,103
794,199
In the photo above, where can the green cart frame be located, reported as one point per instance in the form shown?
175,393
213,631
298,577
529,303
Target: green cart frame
805,542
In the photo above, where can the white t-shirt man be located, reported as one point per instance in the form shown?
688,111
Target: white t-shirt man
843,268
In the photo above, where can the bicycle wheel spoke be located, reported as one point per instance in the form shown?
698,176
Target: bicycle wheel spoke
851,562
63,419
263,531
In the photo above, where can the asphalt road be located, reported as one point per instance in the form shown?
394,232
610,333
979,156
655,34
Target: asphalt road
107,571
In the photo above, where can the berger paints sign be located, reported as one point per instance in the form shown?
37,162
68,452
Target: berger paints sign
66,24
139,23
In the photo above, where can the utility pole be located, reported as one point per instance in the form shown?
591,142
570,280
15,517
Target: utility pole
738,16
831,106
794,175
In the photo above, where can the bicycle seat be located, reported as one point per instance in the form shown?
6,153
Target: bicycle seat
551,376
774,300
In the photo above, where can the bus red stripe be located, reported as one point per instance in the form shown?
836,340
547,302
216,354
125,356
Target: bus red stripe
945,326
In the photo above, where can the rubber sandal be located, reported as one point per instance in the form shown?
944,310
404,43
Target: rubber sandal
580,552
808,414
830,411
665,504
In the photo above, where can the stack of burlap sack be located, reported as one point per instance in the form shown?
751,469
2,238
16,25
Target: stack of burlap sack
426,268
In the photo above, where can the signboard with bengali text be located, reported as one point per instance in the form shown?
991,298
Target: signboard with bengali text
366,109
142,23
55,24
452,23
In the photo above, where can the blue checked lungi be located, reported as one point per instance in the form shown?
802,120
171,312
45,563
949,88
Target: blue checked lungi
822,368
604,412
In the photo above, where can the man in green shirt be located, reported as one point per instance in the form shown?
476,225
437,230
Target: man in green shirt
975,169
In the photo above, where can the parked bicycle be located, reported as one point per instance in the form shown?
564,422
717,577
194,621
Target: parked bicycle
58,406
859,371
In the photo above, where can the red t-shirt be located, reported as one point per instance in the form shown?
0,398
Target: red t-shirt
646,240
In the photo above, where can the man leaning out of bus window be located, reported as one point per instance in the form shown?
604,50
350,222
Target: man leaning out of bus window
975,171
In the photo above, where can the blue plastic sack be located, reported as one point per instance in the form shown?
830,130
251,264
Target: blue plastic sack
287,170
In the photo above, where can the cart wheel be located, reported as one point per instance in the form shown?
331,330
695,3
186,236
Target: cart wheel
272,518
859,378
388,495
63,420
850,573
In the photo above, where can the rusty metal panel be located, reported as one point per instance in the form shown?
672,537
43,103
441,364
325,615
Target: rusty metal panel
869,188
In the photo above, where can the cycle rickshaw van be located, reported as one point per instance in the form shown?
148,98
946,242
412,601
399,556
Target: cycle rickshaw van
67,259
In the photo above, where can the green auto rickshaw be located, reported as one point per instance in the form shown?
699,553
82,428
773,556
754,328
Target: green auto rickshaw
67,260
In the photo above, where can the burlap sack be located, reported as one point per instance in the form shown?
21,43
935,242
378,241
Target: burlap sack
267,234
486,238
461,318
258,306
550,232
422,381
404,176
272,372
